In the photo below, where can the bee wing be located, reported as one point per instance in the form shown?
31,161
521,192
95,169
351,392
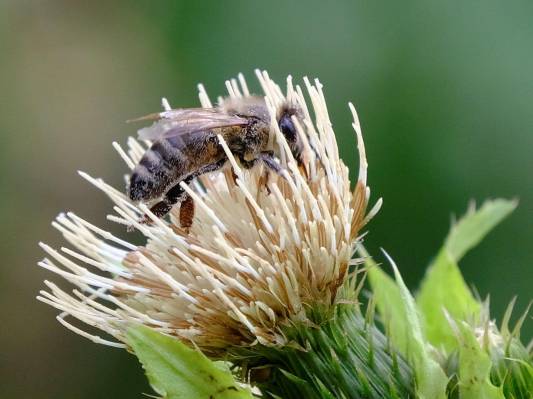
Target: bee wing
183,121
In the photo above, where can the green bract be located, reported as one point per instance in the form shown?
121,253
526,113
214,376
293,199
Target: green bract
176,371
441,345
443,286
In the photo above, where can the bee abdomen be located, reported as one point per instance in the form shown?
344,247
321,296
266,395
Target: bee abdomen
141,184
160,165
151,160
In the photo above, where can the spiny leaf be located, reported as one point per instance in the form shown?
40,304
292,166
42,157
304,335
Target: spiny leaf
475,225
430,377
443,287
387,298
512,367
176,371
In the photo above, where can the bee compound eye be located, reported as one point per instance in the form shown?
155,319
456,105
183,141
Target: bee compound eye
287,127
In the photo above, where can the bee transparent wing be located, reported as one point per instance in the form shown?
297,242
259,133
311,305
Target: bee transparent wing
183,121
200,123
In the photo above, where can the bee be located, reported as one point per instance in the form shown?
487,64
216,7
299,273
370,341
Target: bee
185,146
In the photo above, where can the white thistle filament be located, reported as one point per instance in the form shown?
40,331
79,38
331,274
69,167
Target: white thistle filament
254,259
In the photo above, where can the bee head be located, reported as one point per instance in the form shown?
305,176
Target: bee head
288,128
286,125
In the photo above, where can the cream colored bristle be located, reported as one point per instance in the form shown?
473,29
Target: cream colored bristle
261,248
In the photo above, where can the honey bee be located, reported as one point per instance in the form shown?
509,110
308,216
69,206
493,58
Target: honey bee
185,146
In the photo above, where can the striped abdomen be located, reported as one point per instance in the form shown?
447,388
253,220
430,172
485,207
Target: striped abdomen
170,160
163,163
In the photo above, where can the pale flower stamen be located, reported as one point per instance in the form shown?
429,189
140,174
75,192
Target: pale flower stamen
262,250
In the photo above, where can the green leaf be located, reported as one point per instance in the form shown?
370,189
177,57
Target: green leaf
388,300
443,286
431,379
475,225
474,367
176,371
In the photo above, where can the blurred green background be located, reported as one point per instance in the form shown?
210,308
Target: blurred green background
444,91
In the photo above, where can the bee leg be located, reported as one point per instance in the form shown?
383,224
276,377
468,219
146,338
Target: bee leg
177,194
160,209
163,207
211,167
267,157
186,212
234,176
247,164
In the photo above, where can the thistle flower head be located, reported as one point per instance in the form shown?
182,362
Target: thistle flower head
263,249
